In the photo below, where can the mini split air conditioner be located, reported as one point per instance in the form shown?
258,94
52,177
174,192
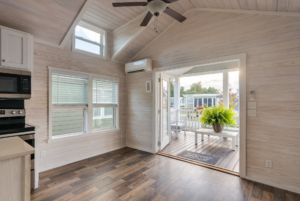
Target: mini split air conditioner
138,66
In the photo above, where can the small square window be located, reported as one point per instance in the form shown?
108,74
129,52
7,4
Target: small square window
89,39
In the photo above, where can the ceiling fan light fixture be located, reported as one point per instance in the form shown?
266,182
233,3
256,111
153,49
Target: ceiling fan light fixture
156,7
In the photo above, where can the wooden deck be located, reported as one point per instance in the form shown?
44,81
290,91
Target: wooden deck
212,145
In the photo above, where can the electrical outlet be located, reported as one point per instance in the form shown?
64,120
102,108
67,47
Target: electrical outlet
122,136
268,163
251,113
43,153
251,105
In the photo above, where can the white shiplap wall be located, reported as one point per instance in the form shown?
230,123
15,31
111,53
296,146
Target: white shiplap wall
273,65
67,151
139,112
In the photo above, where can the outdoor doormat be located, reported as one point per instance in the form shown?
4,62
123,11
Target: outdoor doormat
212,160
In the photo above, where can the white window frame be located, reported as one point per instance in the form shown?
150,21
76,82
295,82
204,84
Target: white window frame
103,41
115,106
88,108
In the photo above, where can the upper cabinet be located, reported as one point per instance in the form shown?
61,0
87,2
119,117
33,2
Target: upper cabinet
16,49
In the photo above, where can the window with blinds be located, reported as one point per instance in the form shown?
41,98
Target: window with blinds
105,103
68,89
81,103
105,91
68,93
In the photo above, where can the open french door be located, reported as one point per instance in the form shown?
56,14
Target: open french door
165,111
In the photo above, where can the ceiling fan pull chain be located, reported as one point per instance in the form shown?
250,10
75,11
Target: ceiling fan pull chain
155,29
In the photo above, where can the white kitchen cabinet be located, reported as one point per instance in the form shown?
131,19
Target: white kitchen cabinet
16,49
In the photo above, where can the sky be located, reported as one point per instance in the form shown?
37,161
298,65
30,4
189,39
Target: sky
211,80
90,35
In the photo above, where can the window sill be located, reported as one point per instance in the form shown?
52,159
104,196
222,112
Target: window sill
80,135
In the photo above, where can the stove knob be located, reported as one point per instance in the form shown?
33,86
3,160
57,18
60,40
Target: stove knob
20,112
13,112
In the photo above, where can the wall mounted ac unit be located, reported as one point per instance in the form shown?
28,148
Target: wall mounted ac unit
138,66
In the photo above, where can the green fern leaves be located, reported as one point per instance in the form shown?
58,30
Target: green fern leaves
218,115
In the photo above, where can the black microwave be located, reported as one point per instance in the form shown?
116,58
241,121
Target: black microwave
15,84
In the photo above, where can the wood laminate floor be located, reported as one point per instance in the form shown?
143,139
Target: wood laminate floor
129,174
213,145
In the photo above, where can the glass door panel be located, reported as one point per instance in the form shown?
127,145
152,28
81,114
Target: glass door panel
165,107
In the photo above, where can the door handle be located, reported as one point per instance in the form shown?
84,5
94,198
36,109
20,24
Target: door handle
3,60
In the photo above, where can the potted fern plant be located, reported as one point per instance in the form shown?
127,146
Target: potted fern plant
218,117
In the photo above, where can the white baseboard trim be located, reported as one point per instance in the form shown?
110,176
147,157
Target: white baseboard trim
270,183
83,158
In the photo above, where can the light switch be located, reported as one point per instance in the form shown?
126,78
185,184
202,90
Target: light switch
251,105
251,113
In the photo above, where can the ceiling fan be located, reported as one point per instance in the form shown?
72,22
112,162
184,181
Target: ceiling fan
155,7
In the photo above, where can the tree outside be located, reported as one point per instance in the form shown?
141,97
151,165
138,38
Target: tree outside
232,98
196,88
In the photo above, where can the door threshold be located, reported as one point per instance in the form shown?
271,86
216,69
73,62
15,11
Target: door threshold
199,163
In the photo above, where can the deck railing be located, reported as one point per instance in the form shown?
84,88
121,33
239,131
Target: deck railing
191,118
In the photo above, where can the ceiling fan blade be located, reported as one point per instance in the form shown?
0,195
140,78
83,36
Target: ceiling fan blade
129,4
174,14
146,19
169,1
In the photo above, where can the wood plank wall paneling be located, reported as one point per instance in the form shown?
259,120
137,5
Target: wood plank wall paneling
46,20
139,112
273,66
67,151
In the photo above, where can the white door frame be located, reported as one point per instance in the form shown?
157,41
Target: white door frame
164,142
241,58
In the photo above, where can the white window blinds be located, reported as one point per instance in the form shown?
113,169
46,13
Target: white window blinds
69,89
105,91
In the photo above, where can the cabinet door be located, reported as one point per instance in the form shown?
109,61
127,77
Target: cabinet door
14,49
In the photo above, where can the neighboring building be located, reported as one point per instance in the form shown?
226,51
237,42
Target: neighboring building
195,100
182,101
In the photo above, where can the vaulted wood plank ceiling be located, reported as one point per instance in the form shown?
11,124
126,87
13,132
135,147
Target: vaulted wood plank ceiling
127,45
103,14
47,20
50,20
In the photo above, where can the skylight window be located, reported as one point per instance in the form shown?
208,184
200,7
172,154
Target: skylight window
89,39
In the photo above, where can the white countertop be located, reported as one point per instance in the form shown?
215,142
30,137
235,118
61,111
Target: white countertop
13,147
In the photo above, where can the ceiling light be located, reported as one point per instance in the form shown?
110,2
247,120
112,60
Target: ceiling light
156,7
